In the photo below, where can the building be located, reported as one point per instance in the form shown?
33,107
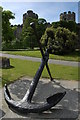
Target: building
18,31
31,14
70,16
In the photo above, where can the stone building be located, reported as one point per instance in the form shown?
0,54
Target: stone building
31,14
70,16
18,31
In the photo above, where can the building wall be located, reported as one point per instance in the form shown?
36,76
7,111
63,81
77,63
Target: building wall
18,31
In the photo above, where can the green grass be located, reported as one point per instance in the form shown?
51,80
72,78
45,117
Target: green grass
29,68
75,56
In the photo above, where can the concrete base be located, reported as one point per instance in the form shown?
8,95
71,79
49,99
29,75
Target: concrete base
67,108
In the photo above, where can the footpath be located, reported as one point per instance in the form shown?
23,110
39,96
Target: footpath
52,61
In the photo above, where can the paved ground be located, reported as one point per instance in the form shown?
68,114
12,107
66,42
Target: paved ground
66,109
61,62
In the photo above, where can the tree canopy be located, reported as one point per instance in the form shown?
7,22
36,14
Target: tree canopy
71,25
7,32
28,36
6,25
59,40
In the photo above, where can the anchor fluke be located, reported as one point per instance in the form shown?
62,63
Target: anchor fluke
55,98
27,107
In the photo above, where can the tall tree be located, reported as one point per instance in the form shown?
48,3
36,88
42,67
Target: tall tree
28,37
7,32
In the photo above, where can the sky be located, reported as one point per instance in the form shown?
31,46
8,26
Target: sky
47,10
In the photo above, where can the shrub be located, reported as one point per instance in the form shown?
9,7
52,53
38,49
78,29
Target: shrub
60,40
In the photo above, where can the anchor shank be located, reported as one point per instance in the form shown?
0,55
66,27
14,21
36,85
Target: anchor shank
34,83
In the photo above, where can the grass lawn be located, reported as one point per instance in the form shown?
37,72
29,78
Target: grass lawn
29,68
71,57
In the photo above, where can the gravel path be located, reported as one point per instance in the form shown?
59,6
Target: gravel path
59,62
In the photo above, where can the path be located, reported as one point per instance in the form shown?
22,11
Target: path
60,62
66,108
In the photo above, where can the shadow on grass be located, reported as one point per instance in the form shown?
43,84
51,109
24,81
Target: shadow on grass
8,67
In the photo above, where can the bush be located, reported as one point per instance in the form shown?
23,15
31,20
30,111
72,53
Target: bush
6,46
60,40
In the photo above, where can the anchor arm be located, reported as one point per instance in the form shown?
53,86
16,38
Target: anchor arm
27,107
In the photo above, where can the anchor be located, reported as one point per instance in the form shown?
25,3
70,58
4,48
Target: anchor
26,105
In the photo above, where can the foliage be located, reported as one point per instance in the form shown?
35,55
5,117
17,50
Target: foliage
7,32
29,38
65,41
61,40
26,37
71,25
41,27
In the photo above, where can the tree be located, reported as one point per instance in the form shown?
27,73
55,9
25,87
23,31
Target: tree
7,32
60,40
65,41
71,25
41,27
29,39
